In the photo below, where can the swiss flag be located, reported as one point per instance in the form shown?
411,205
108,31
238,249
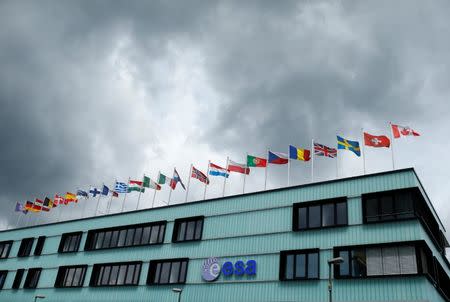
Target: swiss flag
398,131
376,140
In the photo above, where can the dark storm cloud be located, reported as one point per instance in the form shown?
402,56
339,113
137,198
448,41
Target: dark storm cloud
284,72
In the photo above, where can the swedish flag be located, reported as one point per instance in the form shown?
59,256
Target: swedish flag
349,145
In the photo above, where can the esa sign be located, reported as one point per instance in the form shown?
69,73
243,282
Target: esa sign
211,268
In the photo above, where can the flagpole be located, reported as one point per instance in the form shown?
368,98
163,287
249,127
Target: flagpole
17,221
84,205
289,167
170,192
245,172
337,159
125,196
225,178
267,168
108,208
312,160
140,191
59,210
392,145
28,220
363,151
189,183
154,194
98,200
207,178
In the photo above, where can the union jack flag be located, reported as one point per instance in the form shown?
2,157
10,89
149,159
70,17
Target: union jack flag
321,150
199,175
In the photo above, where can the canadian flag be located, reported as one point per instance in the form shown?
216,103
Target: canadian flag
398,131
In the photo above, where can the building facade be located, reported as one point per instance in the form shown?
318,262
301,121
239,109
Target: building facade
265,246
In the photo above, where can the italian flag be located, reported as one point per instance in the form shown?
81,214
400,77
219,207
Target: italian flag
148,183
163,179
135,185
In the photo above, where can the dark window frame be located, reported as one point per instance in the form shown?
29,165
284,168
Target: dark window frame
62,274
151,281
31,274
441,280
3,273
18,278
186,220
99,268
306,252
26,245
5,244
64,237
322,202
92,236
418,245
39,246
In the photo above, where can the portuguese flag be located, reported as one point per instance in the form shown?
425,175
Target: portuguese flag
135,185
253,161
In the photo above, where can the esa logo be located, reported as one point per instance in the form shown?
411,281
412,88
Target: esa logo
211,268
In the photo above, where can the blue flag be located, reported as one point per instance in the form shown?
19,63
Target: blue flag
82,193
105,190
349,145
94,192
121,187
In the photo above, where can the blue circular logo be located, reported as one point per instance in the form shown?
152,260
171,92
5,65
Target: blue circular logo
210,269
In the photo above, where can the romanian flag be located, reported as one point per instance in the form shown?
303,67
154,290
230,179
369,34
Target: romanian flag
349,145
299,154
70,197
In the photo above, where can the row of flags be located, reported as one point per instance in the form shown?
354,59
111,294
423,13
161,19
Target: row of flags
214,170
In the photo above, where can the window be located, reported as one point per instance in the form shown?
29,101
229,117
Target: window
32,278
25,247
169,271
443,281
39,246
382,260
188,229
18,278
70,242
299,265
71,276
116,274
319,214
123,236
390,205
3,275
5,247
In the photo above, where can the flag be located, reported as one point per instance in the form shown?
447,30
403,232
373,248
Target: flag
37,205
105,190
47,205
176,179
199,175
114,194
121,187
299,154
253,161
148,183
163,179
94,191
398,131
135,185
82,193
349,145
28,206
20,208
376,140
59,200
216,170
238,168
277,158
322,150
70,197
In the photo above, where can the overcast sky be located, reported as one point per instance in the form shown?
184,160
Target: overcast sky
93,91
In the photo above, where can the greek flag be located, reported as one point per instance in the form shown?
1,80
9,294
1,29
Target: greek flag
121,187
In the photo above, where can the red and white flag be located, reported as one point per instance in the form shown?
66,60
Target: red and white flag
398,131
376,141
239,168
199,175
59,200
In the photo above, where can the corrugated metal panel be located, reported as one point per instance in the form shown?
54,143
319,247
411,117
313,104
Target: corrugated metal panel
254,226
